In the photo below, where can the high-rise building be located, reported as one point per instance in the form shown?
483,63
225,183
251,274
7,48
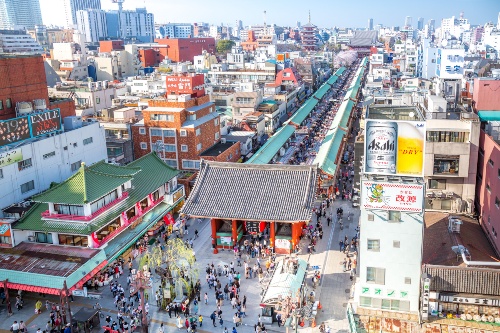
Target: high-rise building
432,25
16,14
498,21
408,21
72,6
420,23
135,24
92,22
370,24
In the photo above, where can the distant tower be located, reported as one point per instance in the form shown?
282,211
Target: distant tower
408,21
498,21
120,10
420,23
370,24
432,25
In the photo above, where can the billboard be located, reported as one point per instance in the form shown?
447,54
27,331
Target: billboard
394,147
10,157
392,196
450,63
29,126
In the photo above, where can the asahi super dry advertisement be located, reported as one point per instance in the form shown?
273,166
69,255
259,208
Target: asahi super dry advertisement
29,126
395,147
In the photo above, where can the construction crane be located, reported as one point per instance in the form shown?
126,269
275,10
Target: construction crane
120,9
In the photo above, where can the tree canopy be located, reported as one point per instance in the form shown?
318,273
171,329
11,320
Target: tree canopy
224,45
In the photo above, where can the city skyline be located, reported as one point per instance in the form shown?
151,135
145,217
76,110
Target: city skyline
324,15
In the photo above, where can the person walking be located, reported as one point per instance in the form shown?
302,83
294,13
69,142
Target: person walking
38,307
213,317
344,263
200,320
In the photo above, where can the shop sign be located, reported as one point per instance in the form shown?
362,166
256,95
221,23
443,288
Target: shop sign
226,240
392,196
5,229
10,157
282,243
469,300
426,286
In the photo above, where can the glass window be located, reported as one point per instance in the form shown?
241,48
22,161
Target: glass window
28,186
497,202
198,146
198,131
190,164
169,133
447,136
396,244
373,245
1,104
162,117
87,141
170,148
155,132
488,188
394,216
446,164
365,301
98,100
69,210
183,133
216,135
184,148
142,130
437,184
490,162
24,164
144,145
8,103
42,237
75,166
170,162
73,240
49,155
1,174
5,240
375,275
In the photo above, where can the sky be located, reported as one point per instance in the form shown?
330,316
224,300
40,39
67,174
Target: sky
324,13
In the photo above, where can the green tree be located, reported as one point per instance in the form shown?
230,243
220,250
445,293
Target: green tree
224,45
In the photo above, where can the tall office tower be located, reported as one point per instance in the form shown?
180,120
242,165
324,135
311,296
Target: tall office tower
370,24
239,25
92,22
432,25
18,14
420,24
408,21
72,6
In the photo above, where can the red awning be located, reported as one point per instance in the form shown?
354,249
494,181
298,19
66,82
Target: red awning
87,277
35,289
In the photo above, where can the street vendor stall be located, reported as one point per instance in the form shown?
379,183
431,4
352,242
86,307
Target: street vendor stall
286,290
85,320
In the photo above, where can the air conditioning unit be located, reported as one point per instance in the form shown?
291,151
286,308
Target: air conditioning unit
31,238
223,140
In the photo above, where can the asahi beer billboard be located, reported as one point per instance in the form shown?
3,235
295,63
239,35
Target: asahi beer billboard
29,126
395,147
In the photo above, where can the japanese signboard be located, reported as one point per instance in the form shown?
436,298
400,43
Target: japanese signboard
12,156
469,300
450,63
5,229
392,196
29,126
426,286
185,84
394,147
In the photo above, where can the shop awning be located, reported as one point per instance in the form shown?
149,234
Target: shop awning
285,281
489,115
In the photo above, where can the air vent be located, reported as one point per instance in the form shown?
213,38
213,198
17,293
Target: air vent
396,244
371,217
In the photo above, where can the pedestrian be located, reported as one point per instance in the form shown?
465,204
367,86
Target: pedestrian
14,328
225,330
22,327
38,307
278,319
344,263
200,320
212,316
205,298
169,310
195,233
341,245
234,330
349,263
259,320
221,322
179,322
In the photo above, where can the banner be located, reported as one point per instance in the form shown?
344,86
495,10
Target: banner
10,157
395,147
392,196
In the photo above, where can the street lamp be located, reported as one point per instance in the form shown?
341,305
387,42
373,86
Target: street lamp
140,282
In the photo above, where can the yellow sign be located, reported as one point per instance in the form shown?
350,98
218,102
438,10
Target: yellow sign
410,151
10,157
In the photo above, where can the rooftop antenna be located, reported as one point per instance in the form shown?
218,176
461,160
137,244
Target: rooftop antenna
265,24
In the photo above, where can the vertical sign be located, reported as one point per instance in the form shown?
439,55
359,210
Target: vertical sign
426,286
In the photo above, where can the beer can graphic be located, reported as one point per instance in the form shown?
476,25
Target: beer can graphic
381,147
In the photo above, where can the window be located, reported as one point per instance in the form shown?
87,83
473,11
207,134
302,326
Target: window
407,280
216,121
169,133
142,130
75,166
192,117
1,174
373,245
490,162
73,240
184,148
447,136
183,132
42,237
103,201
396,244
481,152
498,173
488,188
386,304
98,100
144,145
189,164
198,132
162,117
49,155
87,141
375,275
28,186
8,103
446,164
497,202
1,104
5,240
198,146
154,132
216,135
24,164
170,148
394,216
170,162
437,184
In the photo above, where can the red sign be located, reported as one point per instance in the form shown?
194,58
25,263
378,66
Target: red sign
186,84
169,219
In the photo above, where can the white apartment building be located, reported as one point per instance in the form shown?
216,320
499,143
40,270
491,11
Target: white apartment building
72,6
17,41
119,64
428,55
49,159
20,14
174,30
454,27
92,22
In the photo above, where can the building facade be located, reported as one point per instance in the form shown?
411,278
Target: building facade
73,6
20,14
18,42
92,22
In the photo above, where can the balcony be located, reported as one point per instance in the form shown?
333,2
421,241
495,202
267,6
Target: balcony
175,195
48,215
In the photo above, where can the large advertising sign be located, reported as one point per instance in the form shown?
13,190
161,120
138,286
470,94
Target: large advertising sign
395,147
392,196
29,126
450,63
10,157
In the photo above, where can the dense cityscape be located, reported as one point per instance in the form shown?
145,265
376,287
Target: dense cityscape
247,177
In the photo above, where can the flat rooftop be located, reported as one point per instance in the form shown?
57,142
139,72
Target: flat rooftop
438,241
45,259
395,113
217,149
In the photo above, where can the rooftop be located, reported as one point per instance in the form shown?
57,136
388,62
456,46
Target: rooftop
253,192
162,109
217,149
438,241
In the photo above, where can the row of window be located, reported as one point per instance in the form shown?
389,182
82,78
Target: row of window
27,163
377,275
385,304
374,245
447,136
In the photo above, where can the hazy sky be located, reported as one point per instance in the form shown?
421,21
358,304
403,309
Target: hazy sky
324,13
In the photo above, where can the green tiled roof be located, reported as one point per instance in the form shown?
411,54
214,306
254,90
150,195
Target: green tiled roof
86,185
111,169
328,151
154,173
266,153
